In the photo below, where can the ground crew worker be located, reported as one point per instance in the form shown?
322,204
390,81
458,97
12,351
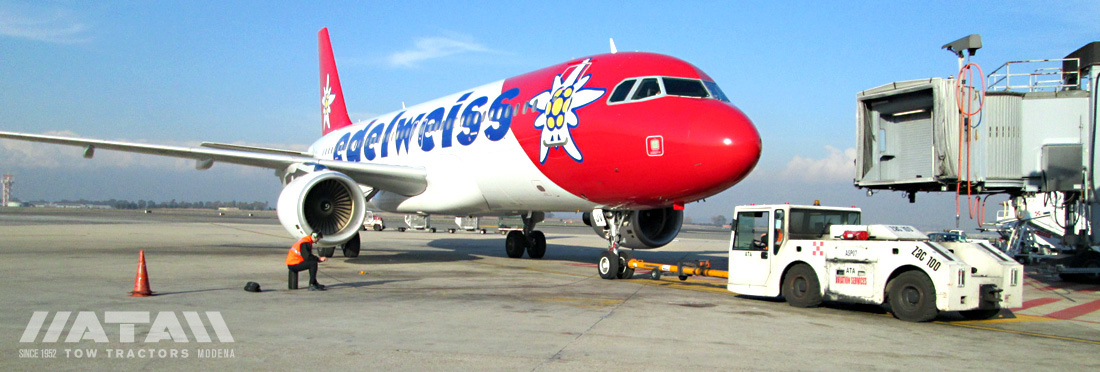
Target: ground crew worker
300,257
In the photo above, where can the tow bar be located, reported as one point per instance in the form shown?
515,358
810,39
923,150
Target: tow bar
682,270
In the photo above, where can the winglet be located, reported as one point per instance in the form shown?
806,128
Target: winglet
613,48
334,115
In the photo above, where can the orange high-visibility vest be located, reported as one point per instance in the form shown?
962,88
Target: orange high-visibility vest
294,256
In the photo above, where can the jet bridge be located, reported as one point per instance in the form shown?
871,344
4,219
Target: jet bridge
1027,128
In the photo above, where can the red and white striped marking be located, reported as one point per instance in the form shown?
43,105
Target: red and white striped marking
1067,301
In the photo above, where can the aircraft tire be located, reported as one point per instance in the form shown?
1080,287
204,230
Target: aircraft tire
351,247
608,266
536,247
515,244
625,272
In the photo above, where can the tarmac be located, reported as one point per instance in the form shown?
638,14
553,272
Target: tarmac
422,301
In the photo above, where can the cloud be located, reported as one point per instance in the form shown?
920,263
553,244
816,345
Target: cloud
40,24
434,47
837,166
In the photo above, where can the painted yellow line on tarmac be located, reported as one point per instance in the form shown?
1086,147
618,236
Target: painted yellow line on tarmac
1018,318
250,231
1023,333
686,285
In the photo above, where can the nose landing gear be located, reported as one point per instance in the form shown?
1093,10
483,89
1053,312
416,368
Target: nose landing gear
613,261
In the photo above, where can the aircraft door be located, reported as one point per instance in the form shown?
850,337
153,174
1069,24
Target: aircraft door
750,256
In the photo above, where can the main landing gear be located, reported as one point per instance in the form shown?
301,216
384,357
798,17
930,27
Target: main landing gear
531,240
612,264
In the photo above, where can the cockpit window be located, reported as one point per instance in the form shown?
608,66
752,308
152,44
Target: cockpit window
647,88
714,91
684,87
622,90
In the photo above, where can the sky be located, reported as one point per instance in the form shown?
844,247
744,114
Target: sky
181,73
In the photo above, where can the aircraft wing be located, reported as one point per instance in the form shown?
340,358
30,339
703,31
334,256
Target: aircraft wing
398,179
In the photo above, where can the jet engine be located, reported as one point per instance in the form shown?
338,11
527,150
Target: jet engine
325,201
645,229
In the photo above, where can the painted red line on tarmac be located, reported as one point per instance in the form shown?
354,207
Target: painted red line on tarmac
1071,287
1036,302
1076,311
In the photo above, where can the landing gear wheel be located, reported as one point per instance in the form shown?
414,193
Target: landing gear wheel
432,230
326,252
912,297
515,244
981,314
450,231
625,271
482,231
400,229
608,265
536,244
351,247
801,288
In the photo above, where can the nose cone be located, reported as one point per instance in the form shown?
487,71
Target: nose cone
723,148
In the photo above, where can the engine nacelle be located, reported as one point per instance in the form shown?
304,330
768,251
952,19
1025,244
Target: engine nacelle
645,229
325,201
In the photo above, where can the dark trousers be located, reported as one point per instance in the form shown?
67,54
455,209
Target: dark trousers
306,265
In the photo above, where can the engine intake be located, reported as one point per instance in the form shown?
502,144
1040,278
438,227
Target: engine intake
325,201
645,229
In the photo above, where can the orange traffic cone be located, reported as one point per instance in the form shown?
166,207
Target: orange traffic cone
141,282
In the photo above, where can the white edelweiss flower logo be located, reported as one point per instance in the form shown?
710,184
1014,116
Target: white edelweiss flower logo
558,107
327,98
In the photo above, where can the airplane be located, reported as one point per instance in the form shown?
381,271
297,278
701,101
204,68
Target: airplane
626,138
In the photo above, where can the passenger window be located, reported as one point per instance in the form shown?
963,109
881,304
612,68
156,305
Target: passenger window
621,91
647,88
752,231
685,87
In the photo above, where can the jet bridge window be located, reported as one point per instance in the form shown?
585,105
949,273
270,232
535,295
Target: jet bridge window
622,90
684,87
647,88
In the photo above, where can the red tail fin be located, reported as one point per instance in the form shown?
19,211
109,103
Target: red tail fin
334,115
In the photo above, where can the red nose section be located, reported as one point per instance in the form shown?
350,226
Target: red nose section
720,149
636,153
658,154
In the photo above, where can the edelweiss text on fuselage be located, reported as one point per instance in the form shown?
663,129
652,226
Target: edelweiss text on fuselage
442,124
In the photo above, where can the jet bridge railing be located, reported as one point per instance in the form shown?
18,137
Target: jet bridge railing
1037,75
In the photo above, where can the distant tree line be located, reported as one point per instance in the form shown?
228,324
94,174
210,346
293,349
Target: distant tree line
150,204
